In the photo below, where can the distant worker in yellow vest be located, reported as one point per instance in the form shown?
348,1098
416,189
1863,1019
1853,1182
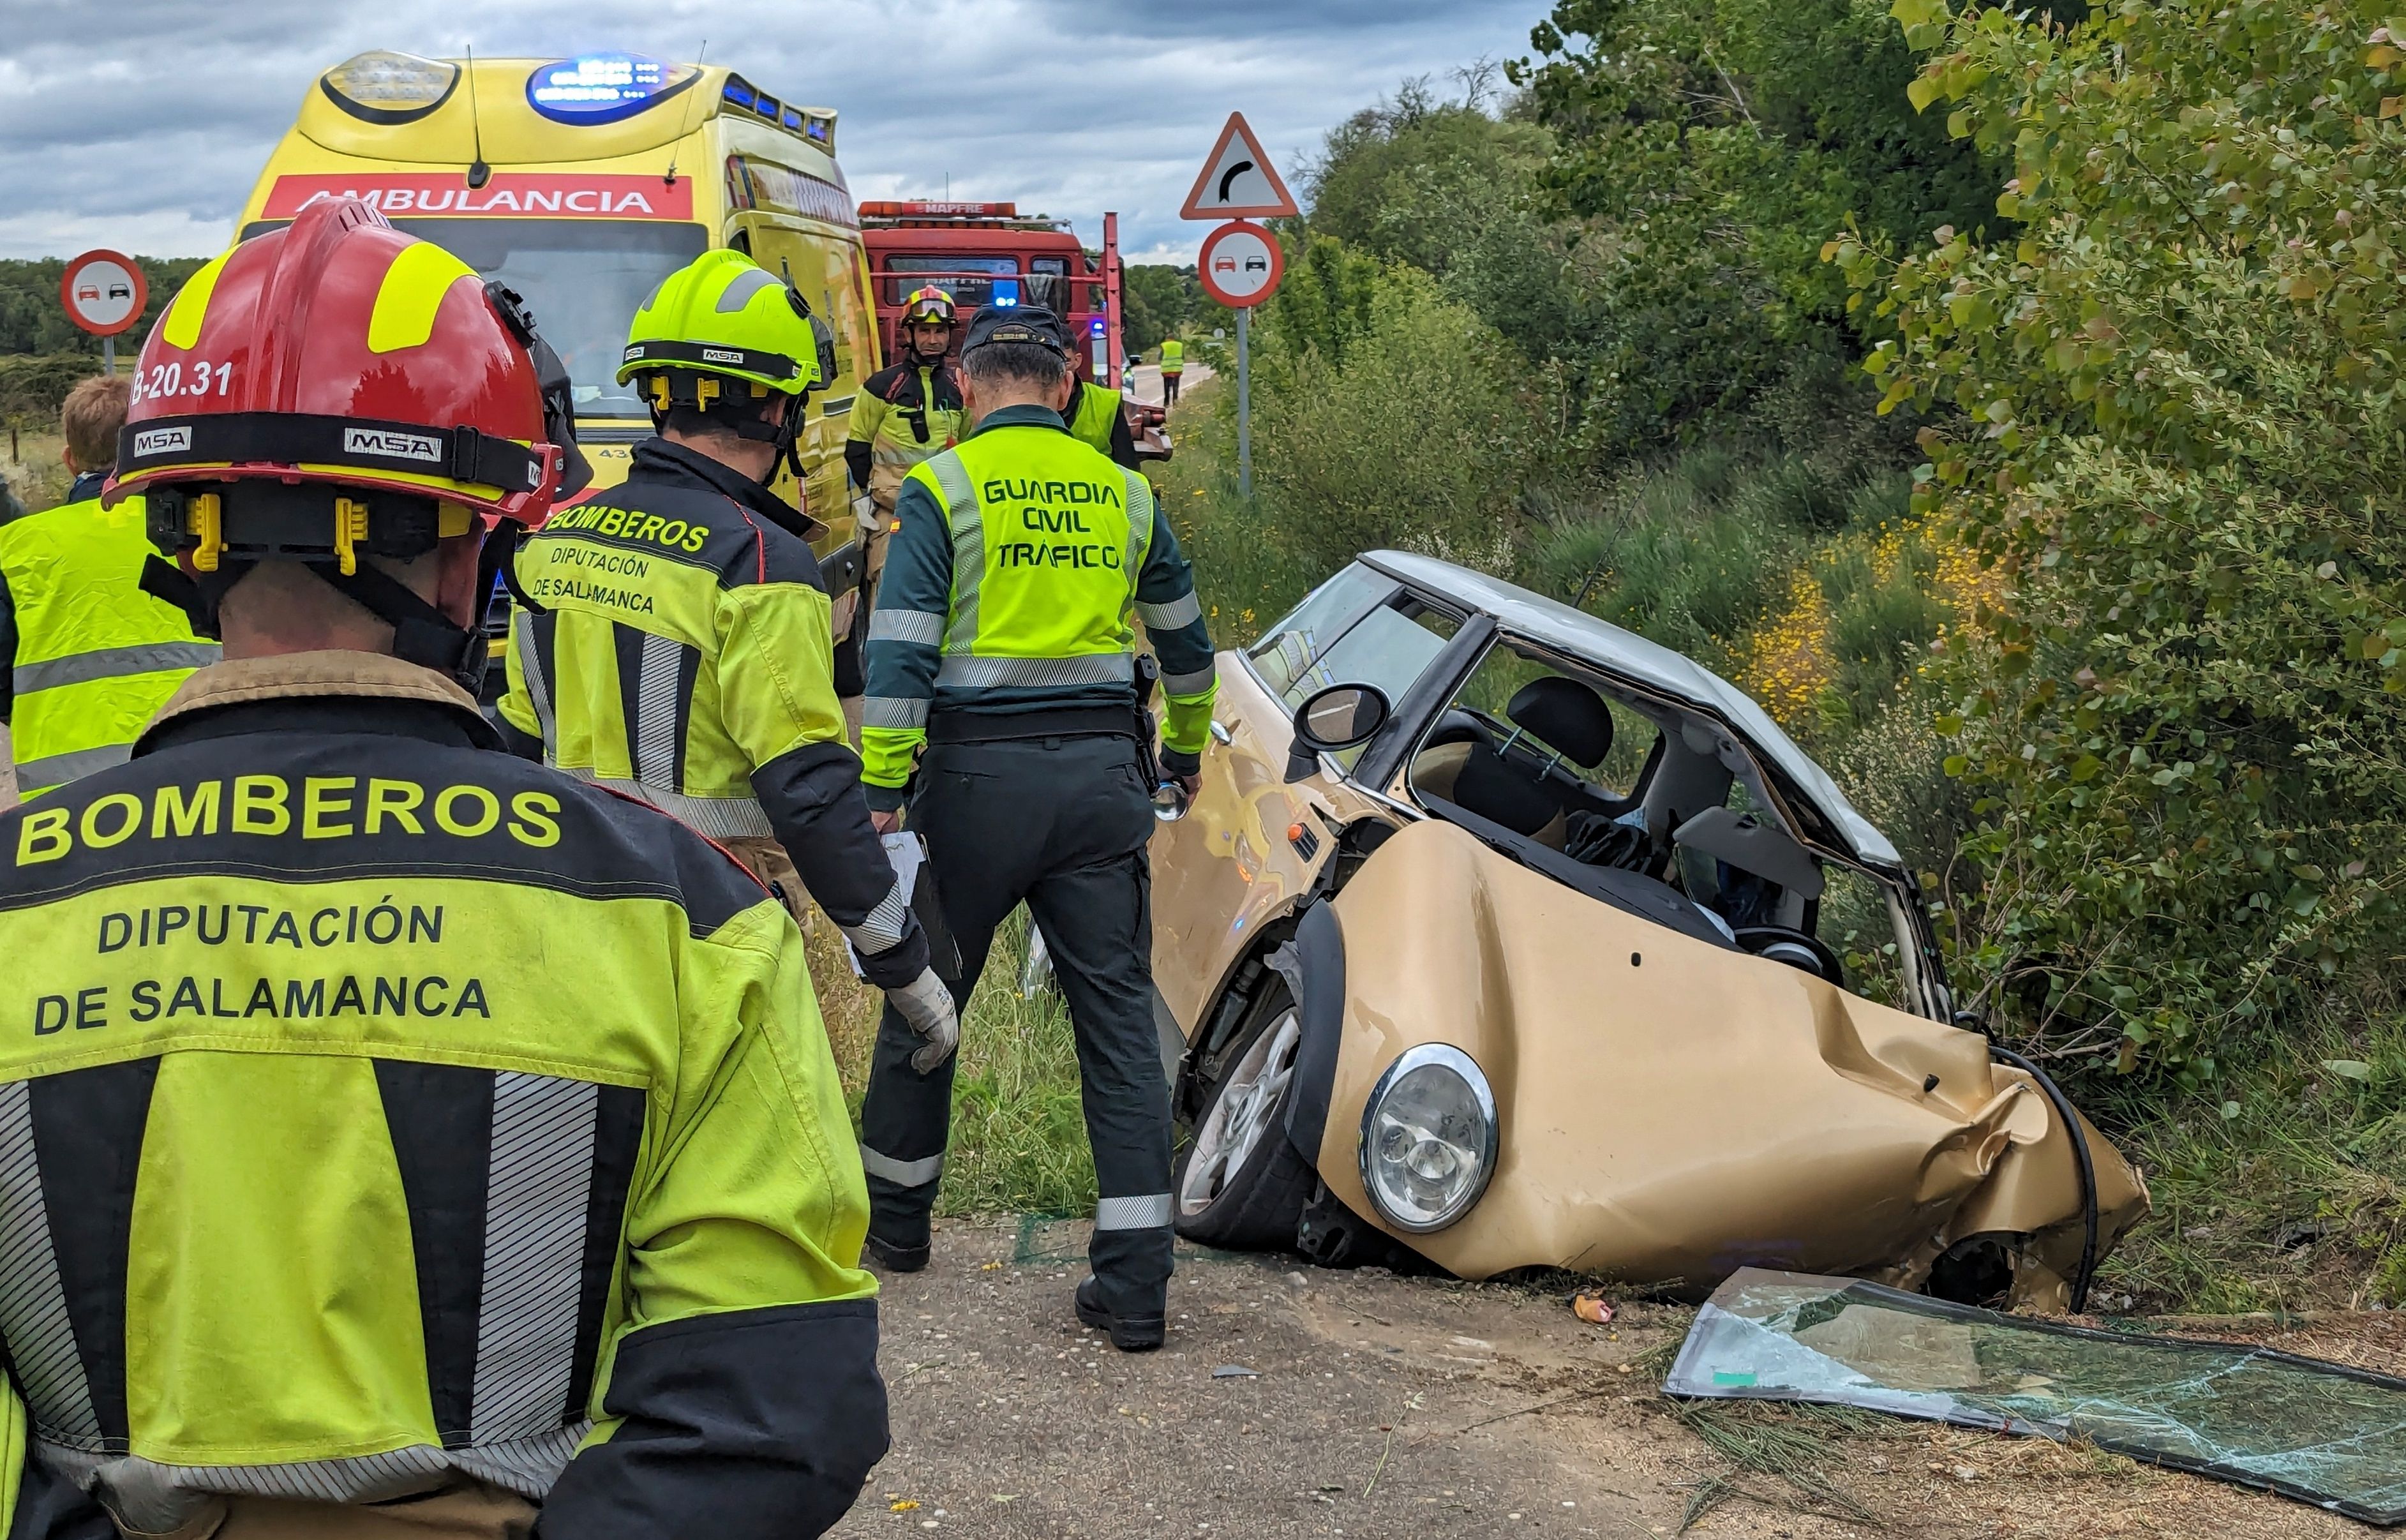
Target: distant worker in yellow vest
90,655
1002,650
1173,363
907,412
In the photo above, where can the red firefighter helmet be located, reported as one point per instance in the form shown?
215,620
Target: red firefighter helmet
336,387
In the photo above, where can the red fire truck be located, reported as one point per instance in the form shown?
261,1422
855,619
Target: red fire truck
989,253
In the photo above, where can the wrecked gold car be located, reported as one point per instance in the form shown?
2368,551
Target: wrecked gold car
1504,938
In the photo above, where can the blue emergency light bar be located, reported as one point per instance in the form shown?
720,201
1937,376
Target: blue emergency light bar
1095,326
600,87
1005,295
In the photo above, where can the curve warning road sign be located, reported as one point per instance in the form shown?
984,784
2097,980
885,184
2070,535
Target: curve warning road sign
1238,181
1240,264
104,291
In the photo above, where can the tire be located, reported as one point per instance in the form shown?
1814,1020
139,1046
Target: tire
1240,1183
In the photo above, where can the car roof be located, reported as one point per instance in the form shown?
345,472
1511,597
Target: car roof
1631,655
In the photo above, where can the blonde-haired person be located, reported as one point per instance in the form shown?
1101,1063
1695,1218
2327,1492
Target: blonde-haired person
90,655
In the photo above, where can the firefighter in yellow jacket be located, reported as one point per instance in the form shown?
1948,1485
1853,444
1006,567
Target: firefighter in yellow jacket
674,640
85,655
398,1138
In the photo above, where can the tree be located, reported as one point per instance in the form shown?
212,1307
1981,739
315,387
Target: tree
2175,424
1711,145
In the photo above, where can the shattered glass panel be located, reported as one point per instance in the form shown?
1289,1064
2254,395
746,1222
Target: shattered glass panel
2324,1432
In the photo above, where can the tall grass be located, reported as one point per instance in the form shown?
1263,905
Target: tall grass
1018,1136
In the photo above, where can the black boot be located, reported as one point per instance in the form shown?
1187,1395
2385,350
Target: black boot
891,1256
1128,1334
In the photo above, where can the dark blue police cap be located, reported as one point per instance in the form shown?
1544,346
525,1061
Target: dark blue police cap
1017,323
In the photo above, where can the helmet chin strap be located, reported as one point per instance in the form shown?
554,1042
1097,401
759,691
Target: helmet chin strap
421,633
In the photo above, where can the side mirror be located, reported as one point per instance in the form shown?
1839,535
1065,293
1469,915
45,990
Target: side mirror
1341,716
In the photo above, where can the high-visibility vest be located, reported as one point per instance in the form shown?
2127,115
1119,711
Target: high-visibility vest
1040,606
96,654
1173,356
1094,414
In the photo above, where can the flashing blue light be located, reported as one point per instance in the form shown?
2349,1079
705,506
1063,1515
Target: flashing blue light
1095,326
768,106
792,118
1006,294
600,87
738,92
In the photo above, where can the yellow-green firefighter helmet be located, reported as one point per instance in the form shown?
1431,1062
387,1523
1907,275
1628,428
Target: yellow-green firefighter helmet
721,314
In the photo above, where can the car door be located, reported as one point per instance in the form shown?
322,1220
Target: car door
1251,842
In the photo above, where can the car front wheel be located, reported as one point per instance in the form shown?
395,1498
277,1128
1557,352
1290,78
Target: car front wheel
1240,1184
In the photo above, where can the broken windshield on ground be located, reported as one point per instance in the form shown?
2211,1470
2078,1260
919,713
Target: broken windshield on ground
2320,1432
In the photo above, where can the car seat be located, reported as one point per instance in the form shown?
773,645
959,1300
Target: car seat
1562,719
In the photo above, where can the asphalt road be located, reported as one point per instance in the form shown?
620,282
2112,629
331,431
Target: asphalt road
1387,1406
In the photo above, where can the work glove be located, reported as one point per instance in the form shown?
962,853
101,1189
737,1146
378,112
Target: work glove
927,1009
865,517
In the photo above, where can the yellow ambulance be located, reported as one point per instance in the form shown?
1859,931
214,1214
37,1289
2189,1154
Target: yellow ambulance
581,183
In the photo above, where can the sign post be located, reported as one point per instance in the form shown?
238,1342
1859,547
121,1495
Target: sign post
104,293
1241,263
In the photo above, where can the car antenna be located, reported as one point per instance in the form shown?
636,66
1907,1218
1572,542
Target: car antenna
684,124
478,171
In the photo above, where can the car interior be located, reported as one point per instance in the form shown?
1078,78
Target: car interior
1681,842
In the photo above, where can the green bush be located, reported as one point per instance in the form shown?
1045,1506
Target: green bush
1403,426
2179,434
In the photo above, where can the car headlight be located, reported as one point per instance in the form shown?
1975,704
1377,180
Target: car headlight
1428,1139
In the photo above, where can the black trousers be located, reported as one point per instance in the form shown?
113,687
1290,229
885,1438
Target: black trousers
1062,823
1169,390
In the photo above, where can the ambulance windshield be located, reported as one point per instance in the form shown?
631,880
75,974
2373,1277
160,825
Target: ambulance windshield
582,278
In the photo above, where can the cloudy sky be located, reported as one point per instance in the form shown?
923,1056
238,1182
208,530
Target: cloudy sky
140,124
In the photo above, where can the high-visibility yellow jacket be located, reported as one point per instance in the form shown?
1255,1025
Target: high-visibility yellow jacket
905,413
379,1107
1096,419
683,656
1173,356
90,655
1009,589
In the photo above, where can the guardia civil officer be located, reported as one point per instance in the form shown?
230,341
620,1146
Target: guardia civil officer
85,655
1001,647
677,645
398,1139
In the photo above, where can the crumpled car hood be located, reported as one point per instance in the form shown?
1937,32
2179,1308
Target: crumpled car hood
1671,1110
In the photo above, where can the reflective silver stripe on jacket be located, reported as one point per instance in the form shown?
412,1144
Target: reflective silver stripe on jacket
720,818
33,1301
656,752
57,769
535,1196
881,929
112,663
158,1498
968,527
1139,518
1149,1211
1190,684
966,672
887,711
920,627
538,688
1180,612
902,1173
